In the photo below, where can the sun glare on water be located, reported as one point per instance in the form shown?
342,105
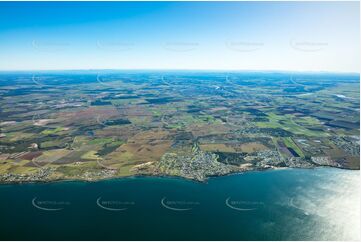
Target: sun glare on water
334,201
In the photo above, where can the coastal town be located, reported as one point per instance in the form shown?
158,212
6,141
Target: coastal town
87,126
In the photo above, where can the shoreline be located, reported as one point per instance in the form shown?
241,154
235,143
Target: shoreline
205,181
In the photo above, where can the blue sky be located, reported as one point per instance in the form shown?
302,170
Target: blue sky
291,36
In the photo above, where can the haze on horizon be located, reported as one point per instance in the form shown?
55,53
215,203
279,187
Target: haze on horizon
289,36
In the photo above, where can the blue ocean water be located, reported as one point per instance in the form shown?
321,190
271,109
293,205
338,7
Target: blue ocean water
288,204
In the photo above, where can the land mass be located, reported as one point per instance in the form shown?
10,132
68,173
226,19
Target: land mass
89,126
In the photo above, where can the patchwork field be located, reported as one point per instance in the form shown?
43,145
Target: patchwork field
195,125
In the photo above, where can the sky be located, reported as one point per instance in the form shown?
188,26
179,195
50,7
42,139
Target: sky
288,36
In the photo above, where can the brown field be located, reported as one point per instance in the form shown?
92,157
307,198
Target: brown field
353,162
208,129
31,155
88,115
217,148
143,147
122,132
250,147
51,156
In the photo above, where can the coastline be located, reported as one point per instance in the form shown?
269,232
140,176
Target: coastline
205,181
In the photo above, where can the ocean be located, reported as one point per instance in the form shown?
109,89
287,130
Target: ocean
286,204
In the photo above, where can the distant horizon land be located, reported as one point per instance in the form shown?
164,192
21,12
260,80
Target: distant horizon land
182,70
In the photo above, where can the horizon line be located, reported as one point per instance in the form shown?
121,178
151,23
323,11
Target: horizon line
185,70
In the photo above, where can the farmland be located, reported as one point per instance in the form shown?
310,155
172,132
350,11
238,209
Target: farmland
87,125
